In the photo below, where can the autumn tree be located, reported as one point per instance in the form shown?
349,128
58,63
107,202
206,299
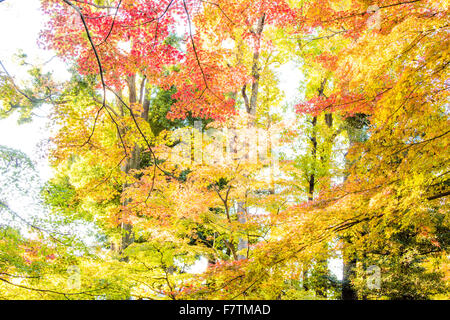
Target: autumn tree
158,128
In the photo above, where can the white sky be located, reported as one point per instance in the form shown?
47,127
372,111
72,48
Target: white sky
20,22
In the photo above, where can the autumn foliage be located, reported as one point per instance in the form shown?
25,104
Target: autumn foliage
176,144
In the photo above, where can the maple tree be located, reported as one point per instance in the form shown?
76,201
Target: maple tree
159,150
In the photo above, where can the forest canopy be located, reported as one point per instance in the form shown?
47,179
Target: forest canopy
182,169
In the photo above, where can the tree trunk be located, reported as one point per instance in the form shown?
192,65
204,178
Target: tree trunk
250,106
312,175
131,163
354,126
349,264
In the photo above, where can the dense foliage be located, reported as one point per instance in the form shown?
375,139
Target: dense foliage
175,144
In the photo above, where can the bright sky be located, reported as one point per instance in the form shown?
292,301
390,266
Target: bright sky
20,22
20,25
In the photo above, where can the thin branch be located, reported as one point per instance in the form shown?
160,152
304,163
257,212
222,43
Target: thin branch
112,24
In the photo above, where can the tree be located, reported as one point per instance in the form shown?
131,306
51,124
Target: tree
158,147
